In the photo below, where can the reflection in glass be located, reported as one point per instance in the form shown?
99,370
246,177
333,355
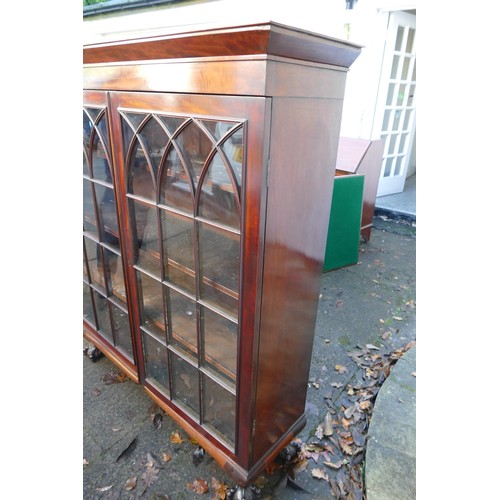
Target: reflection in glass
172,123
87,128
89,221
103,319
185,384
100,165
217,200
121,324
399,164
136,119
220,263
146,228
151,301
178,250
140,181
88,308
195,146
388,167
113,265
94,260
183,320
107,215
155,140
233,149
219,409
175,184
220,340
156,360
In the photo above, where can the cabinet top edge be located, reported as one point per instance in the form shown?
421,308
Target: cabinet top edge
203,41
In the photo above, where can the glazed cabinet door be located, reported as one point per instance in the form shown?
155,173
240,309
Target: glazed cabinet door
105,298
191,168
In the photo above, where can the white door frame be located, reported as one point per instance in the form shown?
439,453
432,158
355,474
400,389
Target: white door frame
396,102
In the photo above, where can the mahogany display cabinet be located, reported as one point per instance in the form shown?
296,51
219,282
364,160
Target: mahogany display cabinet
207,168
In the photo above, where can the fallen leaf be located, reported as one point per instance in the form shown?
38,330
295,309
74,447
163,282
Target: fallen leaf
371,346
220,489
337,385
340,368
346,448
165,457
336,465
114,378
153,461
345,423
116,429
199,486
175,438
104,488
364,405
414,374
85,461
349,412
149,477
357,437
96,391
130,483
320,474
315,447
319,431
328,425
397,318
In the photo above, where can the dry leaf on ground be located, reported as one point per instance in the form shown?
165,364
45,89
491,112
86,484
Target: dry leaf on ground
175,438
199,486
130,483
320,474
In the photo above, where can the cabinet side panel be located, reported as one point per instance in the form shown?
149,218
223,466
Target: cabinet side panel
303,151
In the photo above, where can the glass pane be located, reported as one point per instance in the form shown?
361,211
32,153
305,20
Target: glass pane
86,170
217,200
100,166
113,263
155,140
151,301
140,181
94,260
195,146
106,204
392,144
394,69
399,165
219,409
146,227
387,167
397,117
406,65
103,318
127,135
175,184
123,337
89,220
410,41
233,149
102,126
220,264
183,320
402,143
88,309
185,384
178,250
87,128
220,338
390,94
172,123
156,360
406,123
387,116
136,119
399,38
401,95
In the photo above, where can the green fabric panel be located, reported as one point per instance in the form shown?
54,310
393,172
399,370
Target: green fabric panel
342,246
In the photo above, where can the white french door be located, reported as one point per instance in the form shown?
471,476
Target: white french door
395,115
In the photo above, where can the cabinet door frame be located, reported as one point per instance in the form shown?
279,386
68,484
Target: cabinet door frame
255,112
99,99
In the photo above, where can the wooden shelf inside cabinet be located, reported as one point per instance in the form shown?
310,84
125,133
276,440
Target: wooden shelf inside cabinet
222,143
